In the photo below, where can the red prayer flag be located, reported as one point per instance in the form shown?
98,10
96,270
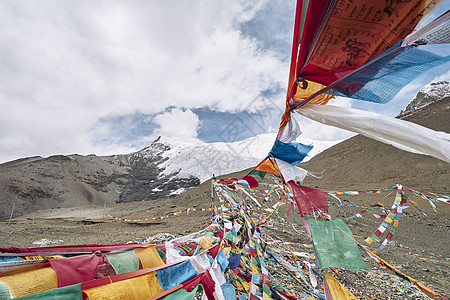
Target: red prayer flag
289,210
76,269
252,182
192,283
208,285
308,199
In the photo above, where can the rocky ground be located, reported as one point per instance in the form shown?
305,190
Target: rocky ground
426,257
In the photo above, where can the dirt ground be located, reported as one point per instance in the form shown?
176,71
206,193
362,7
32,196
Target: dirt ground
420,247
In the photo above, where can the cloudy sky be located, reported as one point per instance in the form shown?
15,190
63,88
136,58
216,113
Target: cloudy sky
108,77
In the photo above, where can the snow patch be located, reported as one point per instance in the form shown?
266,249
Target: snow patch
178,191
192,157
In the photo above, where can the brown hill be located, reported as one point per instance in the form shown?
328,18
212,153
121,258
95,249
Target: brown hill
61,181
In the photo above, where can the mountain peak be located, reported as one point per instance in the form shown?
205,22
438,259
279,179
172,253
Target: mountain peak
430,93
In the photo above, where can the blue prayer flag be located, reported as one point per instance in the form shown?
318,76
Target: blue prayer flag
292,153
381,80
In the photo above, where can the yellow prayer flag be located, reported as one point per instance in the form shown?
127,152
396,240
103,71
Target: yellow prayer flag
30,282
205,242
337,290
139,288
313,87
255,270
149,256
226,250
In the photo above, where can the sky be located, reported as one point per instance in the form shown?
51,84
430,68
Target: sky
109,77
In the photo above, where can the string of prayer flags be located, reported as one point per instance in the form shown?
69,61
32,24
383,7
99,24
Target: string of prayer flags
335,245
396,220
393,218
227,259
354,193
420,285
187,210
365,211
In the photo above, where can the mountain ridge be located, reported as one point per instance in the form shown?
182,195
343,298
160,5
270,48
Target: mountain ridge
164,169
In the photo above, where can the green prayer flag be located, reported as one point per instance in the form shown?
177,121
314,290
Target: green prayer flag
261,174
182,294
71,292
229,236
161,253
4,292
123,262
266,290
335,245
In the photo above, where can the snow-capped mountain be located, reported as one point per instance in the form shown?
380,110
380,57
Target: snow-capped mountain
428,94
164,169
191,157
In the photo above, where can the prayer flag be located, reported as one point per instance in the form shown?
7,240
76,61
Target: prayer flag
149,256
34,281
76,269
290,172
234,261
267,165
182,294
354,32
334,290
398,133
251,181
176,274
71,292
380,81
335,245
123,262
308,199
292,153
142,287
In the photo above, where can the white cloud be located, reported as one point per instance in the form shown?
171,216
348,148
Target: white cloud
177,122
445,76
64,65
